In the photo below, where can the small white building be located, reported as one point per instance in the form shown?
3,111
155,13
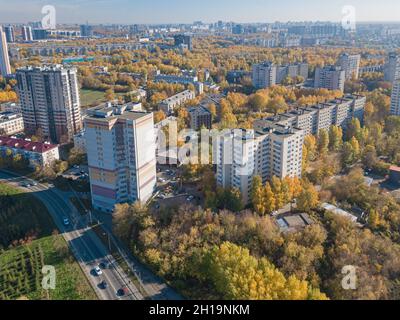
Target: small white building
11,123
168,105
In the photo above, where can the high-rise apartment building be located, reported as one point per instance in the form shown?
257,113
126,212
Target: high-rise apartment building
395,100
86,30
275,146
49,98
5,68
183,40
27,33
330,77
392,67
350,64
269,150
10,35
264,75
121,152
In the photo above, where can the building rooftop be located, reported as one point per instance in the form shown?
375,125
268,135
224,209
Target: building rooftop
113,110
177,97
27,145
49,67
6,116
201,110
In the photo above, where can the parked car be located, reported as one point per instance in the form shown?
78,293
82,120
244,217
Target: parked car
66,222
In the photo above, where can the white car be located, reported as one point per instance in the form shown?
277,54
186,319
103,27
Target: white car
190,198
98,271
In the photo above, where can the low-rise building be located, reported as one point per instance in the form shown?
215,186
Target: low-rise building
37,153
11,123
80,141
168,105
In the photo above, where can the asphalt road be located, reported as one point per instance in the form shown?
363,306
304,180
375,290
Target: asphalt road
87,248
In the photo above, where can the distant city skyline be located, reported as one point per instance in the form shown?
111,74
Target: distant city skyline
183,11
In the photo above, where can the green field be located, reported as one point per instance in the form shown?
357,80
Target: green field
91,97
27,242
21,277
22,216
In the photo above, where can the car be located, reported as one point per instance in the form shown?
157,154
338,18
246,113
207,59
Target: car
34,184
98,271
66,222
103,285
104,265
190,198
122,292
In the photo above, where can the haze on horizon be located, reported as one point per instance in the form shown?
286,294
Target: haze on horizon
187,11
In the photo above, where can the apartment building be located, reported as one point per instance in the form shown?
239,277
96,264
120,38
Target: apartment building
330,77
291,71
121,151
395,99
5,67
37,153
11,123
312,119
181,79
168,105
10,35
264,75
267,151
350,63
200,117
27,33
49,98
183,40
392,67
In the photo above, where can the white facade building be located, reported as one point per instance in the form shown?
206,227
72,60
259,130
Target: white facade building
5,67
392,67
350,64
168,105
11,123
330,77
121,153
264,75
271,150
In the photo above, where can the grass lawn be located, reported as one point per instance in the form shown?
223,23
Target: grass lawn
22,219
91,97
22,216
20,272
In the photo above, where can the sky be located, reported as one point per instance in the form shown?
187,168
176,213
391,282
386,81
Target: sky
187,11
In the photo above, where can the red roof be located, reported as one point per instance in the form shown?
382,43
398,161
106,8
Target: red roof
22,144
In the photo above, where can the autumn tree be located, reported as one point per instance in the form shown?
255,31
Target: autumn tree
323,142
335,138
308,198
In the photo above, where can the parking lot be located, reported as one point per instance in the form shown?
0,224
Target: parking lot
169,189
